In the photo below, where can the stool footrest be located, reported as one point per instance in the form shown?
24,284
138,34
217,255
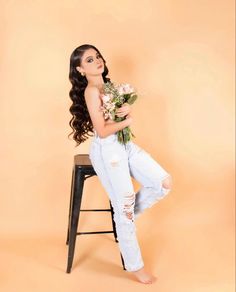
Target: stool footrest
94,232
95,210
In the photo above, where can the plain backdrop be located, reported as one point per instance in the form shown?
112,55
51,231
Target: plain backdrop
179,55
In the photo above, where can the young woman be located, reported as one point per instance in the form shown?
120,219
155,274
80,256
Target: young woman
113,162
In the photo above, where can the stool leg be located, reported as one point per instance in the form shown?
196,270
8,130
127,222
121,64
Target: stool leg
70,206
75,212
115,233
122,261
113,222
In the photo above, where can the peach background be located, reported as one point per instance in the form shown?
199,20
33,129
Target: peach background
180,57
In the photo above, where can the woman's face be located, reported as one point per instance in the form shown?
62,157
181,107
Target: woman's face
91,63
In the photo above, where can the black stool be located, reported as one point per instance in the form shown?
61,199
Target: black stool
82,169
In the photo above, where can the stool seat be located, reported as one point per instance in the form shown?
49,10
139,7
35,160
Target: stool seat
83,161
82,169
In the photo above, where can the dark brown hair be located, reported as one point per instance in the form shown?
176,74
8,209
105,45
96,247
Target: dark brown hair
81,123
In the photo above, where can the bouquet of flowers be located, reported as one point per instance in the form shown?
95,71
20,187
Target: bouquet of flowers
114,96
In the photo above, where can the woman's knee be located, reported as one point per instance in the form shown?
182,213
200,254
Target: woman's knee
167,182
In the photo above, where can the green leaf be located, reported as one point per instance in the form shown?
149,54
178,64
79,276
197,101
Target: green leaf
132,99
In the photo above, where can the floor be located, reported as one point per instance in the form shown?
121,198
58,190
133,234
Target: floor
189,249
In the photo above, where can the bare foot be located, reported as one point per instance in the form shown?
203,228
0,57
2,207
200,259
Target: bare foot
143,276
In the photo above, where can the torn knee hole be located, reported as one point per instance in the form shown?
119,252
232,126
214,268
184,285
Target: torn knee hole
129,207
166,183
166,186
129,216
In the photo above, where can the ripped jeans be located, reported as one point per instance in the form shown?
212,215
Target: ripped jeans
114,164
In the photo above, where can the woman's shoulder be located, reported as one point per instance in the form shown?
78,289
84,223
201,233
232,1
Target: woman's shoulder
92,90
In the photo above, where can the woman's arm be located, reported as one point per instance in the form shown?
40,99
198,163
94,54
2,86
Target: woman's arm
113,127
124,110
102,127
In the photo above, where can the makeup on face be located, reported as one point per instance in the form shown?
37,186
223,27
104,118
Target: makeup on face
90,58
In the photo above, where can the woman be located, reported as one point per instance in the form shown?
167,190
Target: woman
114,162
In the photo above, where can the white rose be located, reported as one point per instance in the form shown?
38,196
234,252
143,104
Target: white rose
105,98
127,88
120,90
110,106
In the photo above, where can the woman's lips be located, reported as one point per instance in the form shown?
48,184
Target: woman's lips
99,66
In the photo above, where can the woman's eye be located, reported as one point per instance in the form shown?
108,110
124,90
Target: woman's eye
98,56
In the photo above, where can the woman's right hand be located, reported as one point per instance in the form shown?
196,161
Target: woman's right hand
129,119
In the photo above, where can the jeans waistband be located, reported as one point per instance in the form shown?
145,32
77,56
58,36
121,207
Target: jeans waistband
109,139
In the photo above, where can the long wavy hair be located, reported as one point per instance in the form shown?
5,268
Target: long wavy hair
81,123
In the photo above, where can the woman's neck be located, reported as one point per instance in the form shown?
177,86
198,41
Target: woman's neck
96,81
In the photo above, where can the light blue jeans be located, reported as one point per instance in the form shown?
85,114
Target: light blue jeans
114,164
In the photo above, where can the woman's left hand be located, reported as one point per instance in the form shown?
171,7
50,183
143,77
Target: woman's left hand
124,110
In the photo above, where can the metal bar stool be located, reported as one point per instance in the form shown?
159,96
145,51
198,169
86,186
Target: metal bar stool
82,169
